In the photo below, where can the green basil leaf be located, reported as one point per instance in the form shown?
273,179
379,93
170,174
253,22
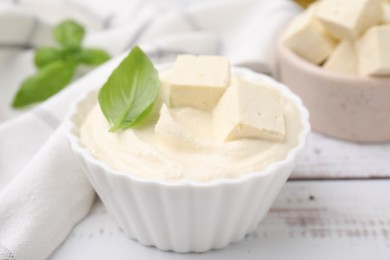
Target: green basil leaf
69,34
44,56
48,81
130,92
93,57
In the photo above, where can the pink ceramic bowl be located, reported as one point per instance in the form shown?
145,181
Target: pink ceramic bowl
353,108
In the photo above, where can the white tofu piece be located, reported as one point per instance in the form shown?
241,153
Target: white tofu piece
373,50
307,37
198,81
165,86
348,19
249,110
343,59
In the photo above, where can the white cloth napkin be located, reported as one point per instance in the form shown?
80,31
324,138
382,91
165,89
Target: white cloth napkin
43,192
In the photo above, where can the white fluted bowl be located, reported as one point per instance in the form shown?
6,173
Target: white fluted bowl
185,216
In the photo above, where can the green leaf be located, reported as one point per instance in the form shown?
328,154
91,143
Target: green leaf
93,57
56,66
69,34
47,82
130,92
44,56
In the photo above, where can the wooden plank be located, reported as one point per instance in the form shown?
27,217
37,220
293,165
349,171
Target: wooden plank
309,220
328,158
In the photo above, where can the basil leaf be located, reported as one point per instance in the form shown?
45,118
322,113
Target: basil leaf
130,92
44,56
71,55
47,82
93,57
69,34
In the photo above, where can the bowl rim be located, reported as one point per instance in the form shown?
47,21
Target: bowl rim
292,155
284,52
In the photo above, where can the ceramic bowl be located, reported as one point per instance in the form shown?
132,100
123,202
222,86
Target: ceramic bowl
185,216
347,107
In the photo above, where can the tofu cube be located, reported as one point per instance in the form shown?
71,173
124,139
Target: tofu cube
249,110
198,81
348,19
373,50
343,59
307,37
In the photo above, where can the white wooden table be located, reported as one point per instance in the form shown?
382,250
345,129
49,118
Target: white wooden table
336,205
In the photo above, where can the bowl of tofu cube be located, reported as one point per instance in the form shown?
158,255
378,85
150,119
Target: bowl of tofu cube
336,57
206,165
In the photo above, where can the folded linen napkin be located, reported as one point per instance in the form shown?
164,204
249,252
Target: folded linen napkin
43,192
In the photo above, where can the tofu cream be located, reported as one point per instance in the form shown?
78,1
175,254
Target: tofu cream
179,144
